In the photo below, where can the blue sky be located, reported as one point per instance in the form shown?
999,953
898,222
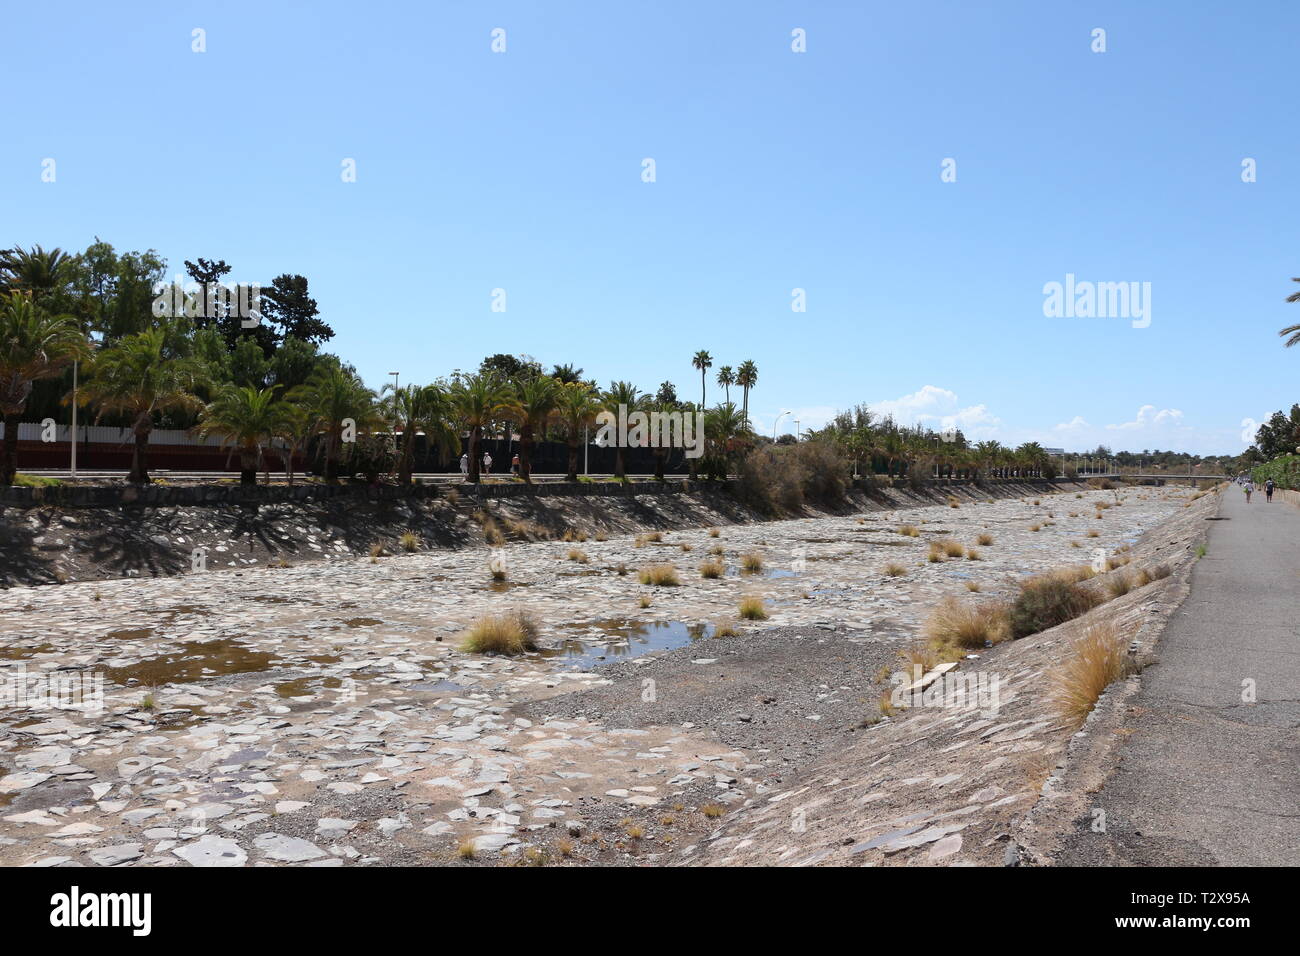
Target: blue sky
775,170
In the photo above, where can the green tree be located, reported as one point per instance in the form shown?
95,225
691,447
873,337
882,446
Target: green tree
334,397
626,395
726,379
248,419
139,376
576,410
532,403
419,408
34,345
702,361
746,378
477,400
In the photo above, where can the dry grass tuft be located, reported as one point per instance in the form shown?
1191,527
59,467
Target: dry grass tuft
984,539
1096,661
751,563
725,629
909,531
973,555
752,609
577,555
712,569
409,541
659,575
715,533
895,570
968,626
510,633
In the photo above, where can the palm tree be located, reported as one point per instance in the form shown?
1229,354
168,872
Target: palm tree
332,396
247,418
140,375
725,432
35,271
576,409
419,408
477,400
703,361
727,378
747,378
533,404
566,374
33,345
627,395
1292,330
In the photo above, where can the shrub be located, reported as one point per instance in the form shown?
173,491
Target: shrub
751,563
577,555
984,539
1046,601
725,629
752,609
909,530
712,569
951,548
643,602
895,570
714,533
511,633
660,575
965,625
972,554
779,479
1095,661
1118,584
409,541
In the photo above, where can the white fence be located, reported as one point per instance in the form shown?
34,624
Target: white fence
28,431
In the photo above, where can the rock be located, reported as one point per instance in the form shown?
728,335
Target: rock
287,849
115,855
212,851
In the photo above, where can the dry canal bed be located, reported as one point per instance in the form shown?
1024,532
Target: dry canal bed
323,714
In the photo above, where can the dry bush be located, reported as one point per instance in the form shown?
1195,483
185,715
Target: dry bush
712,569
660,575
409,541
973,555
751,563
752,609
725,629
1048,600
1095,661
510,633
780,479
984,539
577,555
967,625
895,570
1118,584
950,547
714,533
909,530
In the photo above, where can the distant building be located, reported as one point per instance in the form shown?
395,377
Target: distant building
1055,451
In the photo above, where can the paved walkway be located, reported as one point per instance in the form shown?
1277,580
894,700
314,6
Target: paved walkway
1207,779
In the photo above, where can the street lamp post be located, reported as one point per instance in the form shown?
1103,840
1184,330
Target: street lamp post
778,422
395,375
73,436
797,431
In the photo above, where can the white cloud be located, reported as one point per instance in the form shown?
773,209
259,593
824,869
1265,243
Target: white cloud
940,408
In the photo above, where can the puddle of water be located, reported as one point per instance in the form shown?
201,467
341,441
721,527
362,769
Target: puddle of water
136,634
440,687
302,687
765,573
23,653
625,639
198,660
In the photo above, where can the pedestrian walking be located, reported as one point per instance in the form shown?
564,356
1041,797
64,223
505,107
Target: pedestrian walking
464,466
487,464
514,466
1268,491
1248,487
